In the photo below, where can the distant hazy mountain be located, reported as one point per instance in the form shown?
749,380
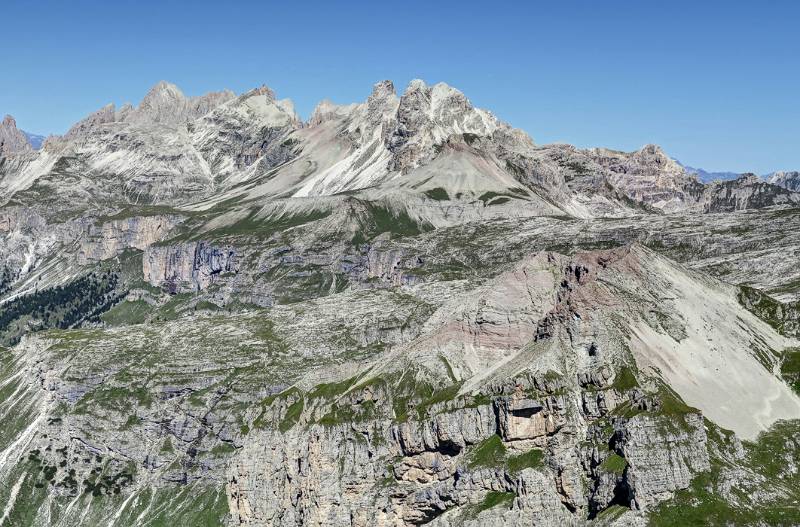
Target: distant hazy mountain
708,177
35,140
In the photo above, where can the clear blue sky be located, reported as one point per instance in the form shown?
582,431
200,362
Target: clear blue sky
716,83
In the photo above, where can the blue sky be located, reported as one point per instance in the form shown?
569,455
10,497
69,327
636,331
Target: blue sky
715,83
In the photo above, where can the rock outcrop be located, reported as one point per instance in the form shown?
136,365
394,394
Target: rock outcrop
190,266
12,140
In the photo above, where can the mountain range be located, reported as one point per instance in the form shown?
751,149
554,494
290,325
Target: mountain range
401,311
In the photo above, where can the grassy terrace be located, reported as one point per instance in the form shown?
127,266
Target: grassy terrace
491,453
702,504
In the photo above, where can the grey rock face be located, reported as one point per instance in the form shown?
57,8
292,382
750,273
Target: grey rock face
787,180
746,192
662,455
187,267
166,104
12,140
113,237
105,115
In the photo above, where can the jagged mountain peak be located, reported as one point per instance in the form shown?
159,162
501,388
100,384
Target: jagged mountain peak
161,102
438,93
166,104
654,154
106,114
12,139
383,89
383,99
261,104
261,90
163,89
327,110
429,139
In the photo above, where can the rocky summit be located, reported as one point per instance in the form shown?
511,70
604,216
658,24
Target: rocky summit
399,312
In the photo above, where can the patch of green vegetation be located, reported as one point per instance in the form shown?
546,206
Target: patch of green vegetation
381,219
259,422
332,390
672,405
495,198
495,499
488,453
193,505
166,446
292,416
438,194
31,495
293,391
132,421
349,413
610,514
411,395
172,309
697,505
127,313
223,449
81,300
480,399
265,331
438,396
123,399
531,459
769,452
790,368
250,225
670,411
625,379
486,196
614,464
345,412
514,169
133,211
767,308
205,305
702,503
109,483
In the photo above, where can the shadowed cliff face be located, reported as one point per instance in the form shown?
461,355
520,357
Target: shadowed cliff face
401,312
